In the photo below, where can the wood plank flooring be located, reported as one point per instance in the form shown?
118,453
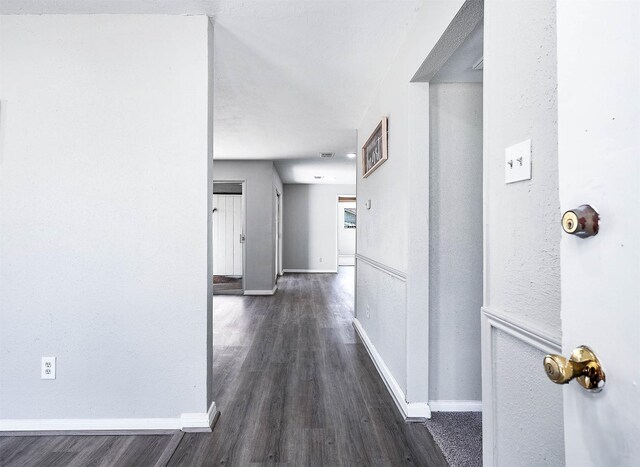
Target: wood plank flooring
294,386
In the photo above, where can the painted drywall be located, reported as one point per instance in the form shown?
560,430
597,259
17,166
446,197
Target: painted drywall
455,241
346,236
393,231
522,219
260,246
105,217
528,409
310,223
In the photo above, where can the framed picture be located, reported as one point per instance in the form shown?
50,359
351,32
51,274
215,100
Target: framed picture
374,151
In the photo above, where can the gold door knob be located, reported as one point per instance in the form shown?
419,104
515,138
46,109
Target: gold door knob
583,365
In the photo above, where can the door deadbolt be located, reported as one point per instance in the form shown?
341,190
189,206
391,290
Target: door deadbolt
581,222
583,365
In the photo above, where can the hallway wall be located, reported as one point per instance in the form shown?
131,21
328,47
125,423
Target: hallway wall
392,261
104,248
522,236
262,180
310,226
455,242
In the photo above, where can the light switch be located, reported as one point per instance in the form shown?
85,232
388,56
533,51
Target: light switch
517,162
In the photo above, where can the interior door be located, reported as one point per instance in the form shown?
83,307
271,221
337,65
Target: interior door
599,150
227,235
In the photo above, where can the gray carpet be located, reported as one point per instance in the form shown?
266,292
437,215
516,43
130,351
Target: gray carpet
459,435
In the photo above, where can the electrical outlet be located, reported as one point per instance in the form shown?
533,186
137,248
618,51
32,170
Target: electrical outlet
517,162
321,260
48,368
368,312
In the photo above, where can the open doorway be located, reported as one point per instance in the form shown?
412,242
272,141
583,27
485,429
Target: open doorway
456,243
346,242
278,236
228,237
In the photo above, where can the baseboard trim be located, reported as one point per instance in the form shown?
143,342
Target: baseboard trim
311,271
455,406
410,411
262,292
114,426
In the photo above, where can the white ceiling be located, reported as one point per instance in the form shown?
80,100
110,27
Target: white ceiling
292,77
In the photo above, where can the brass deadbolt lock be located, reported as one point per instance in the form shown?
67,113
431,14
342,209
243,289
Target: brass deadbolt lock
583,365
581,222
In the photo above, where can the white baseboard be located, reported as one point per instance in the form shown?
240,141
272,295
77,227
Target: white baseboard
312,271
455,406
262,292
410,411
186,422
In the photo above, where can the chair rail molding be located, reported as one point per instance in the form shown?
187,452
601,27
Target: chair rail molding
521,329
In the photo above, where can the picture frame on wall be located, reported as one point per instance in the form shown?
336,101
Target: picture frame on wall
374,151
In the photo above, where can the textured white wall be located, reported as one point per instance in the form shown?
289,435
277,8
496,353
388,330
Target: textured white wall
310,225
455,241
260,189
522,219
104,245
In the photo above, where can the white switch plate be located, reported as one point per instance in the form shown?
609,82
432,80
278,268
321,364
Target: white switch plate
517,162
48,368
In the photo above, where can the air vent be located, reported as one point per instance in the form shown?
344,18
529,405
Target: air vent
327,154
479,64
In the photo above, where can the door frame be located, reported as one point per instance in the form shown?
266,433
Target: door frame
242,182
278,236
338,228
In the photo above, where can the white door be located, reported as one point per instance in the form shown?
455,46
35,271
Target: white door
599,154
227,235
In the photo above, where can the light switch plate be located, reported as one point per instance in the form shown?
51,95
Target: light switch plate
517,162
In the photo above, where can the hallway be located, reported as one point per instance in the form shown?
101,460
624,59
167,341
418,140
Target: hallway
296,387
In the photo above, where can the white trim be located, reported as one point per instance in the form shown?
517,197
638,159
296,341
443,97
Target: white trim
262,292
410,411
382,267
455,406
520,329
198,422
312,271
186,422
347,260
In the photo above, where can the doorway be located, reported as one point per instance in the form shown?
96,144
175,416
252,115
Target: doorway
346,236
278,236
228,237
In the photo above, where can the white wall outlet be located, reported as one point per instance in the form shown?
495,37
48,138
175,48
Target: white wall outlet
48,368
517,162
321,260
367,204
368,312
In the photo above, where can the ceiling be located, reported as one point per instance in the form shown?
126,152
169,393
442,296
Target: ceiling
459,68
293,78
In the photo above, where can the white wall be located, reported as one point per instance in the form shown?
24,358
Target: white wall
261,182
310,223
523,232
104,216
392,233
455,241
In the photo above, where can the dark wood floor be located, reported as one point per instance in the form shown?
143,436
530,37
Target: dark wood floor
294,386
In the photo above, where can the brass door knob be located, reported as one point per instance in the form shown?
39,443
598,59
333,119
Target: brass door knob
583,365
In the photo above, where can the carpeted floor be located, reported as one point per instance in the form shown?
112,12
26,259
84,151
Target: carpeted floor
459,435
